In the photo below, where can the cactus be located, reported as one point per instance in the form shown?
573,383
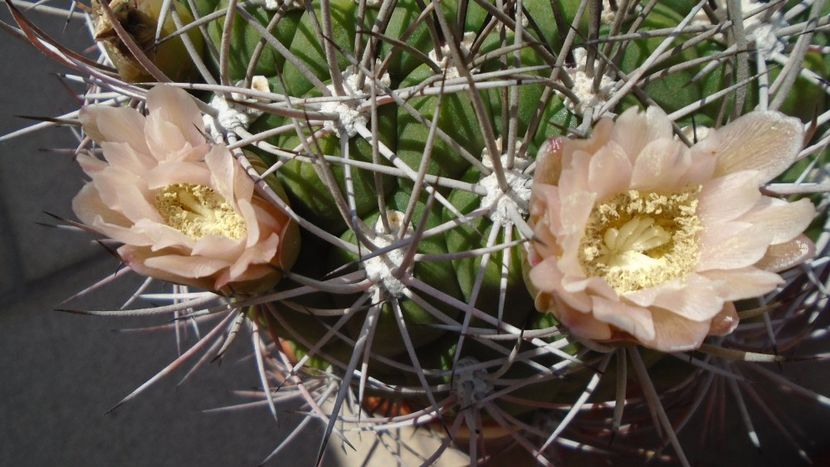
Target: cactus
402,137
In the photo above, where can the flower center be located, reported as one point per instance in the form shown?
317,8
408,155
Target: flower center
197,211
641,239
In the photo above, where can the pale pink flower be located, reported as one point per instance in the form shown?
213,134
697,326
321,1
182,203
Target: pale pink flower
184,210
639,237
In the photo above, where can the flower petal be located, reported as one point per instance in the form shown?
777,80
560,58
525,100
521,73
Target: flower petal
694,298
739,284
634,320
786,255
724,322
673,333
545,276
609,171
633,130
732,245
177,107
581,324
782,220
185,265
726,198
114,124
659,166
766,141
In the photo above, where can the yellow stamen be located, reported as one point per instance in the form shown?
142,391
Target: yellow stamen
197,211
641,239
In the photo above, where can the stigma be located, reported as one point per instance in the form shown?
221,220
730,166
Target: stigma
642,239
197,211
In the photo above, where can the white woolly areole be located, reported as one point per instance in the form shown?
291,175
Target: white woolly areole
230,116
471,385
760,27
370,3
516,199
348,116
273,5
583,86
465,45
379,269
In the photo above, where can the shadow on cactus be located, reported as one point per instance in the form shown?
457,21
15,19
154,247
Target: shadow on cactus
539,231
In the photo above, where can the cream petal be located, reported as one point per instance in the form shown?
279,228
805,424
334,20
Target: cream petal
164,139
673,333
123,155
702,167
659,166
255,272
548,162
90,164
739,284
176,106
114,124
186,266
731,246
726,198
766,141
786,255
633,130
694,298
136,259
724,322
581,324
599,136
214,246
90,210
261,253
247,212
631,319
545,276
575,175
783,221
170,173
574,211
609,171
109,183
222,168
163,236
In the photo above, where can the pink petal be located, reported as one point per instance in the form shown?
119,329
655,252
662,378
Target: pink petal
633,130
725,322
177,107
114,124
575,175
123,155
90,210
90,164
738,284
545,276
549,162
173,172
673,333
609,171
186,266
164,139
659,166
783,221
726,198
222,168
763,140
581,324
247,212
694,298
136,259
214,246
163,236
786,255
631,319
575,210
732,245
599,136
261,253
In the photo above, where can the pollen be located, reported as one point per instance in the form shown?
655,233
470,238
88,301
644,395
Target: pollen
641,239
197,211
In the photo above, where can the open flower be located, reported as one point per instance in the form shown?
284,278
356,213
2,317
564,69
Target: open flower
184,210
638,236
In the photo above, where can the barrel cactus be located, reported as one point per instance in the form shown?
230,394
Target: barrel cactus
550,229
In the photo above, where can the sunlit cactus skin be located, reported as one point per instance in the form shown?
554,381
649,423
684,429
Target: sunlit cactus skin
405,137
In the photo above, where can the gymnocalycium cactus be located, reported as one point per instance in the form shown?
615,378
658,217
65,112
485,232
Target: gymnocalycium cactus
419,146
